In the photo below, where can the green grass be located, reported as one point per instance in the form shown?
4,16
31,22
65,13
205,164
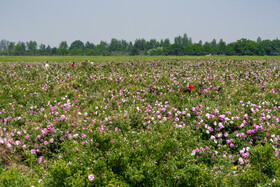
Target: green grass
127,58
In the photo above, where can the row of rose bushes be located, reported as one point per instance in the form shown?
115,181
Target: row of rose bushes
128,123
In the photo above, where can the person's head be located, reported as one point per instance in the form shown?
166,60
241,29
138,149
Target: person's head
47,62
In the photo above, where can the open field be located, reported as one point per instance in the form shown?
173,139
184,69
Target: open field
127,58
132,121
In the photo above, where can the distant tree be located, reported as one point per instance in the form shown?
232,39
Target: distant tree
54,51
246,47
222,47
178,40
115,45
19,50
22,44
130,47
214,47
207,48
78,44
125,46
62,51
197,49
88,52
32,47
156,52
185,40
4,44
165,43
175,49
259,39
89,45
48,50
188,50
75,51
103,48
42,47
140,44
63,45
135,51
182,46
11,48
190,41
230,49
152,44
275,47
265,47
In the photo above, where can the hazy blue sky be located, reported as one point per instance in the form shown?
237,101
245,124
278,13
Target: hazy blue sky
53,21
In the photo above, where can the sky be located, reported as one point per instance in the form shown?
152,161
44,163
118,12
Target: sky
52,21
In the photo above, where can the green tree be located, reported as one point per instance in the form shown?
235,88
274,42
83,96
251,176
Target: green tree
214,47
275,47
125,46
115,45
4,44
63,45
230,49
246,47
88,52
11,48
19,50
185,40
89,45
42,47
222,47
175,49
152,44
265,47
197,49
62,51
54,51
259,39
134,51
78,44
207,48
156,52
23,45
63,48
103,48
165,43
48,50
178,40
32,47
140,44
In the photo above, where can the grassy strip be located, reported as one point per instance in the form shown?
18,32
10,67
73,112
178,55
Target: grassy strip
127,58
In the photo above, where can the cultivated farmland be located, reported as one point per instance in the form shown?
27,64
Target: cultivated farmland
131,123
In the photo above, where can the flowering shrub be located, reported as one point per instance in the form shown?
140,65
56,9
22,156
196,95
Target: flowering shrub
129,123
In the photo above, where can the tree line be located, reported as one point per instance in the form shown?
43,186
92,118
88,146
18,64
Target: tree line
182,45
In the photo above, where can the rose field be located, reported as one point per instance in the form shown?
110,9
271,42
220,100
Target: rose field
132,123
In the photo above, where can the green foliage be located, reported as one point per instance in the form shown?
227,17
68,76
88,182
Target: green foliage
128,122
264,160
182,46
13,177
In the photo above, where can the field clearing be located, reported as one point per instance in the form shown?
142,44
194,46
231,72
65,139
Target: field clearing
140,121
127,58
